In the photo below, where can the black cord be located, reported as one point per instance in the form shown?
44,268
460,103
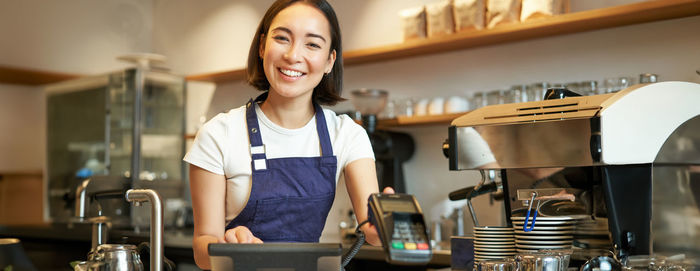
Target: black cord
355,247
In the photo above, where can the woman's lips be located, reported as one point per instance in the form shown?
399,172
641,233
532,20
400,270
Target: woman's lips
290,74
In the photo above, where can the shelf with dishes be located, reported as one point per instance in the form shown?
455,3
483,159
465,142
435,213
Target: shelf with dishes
630,14
636,13
404,121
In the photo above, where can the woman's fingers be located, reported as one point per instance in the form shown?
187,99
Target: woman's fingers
244,235
230,236
240,234
388,190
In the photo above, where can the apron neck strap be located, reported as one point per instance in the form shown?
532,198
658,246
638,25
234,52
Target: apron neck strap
254,128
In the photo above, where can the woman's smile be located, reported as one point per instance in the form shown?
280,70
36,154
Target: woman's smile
290,75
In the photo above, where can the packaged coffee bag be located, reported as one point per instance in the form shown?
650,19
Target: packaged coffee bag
533,9
502,11
413,21
469,14
440,20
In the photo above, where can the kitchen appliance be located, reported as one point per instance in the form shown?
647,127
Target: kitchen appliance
401,228
125,257
391,149
115,257
633,155
122,130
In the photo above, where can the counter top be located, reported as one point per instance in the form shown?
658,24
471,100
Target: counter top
175,239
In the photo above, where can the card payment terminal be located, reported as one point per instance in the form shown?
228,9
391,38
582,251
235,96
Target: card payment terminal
401,227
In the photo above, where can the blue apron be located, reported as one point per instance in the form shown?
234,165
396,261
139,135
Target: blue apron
290,197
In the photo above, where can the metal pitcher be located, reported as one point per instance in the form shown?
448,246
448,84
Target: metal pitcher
115,258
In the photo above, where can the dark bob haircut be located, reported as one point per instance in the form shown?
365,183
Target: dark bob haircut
328,91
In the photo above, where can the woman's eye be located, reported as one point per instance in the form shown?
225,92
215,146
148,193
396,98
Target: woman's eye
313,45
280,38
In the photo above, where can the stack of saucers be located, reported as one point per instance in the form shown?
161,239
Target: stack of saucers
553,232
592,234
493,242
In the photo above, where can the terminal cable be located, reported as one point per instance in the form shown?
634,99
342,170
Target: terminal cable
355,247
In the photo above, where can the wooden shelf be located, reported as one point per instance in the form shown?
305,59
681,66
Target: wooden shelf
445,119
219,77
22,76
418,120
603,18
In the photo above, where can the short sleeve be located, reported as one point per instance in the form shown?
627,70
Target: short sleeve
357,144
207,150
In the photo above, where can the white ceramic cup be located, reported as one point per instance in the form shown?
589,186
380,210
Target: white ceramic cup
420,108
436,106
456,104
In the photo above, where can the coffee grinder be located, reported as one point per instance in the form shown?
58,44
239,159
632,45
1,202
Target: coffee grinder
391,149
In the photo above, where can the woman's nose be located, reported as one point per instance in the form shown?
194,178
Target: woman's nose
293,53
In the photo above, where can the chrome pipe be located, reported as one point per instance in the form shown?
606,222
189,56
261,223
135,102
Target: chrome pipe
81,200
138,196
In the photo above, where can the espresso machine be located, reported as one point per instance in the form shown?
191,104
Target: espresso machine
391,149
631,159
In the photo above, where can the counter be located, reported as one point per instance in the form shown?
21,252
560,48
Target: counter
57,244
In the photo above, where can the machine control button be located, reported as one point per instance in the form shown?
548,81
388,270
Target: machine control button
410,246
422,246
397,245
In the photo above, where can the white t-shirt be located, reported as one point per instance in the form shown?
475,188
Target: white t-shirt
222,147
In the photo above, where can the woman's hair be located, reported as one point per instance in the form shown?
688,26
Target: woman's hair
328,91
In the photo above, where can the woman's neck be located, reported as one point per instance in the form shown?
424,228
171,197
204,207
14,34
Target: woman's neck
290,113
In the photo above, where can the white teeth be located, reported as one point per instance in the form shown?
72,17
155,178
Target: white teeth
291,73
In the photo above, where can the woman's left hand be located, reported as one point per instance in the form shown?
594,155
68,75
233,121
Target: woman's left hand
370,231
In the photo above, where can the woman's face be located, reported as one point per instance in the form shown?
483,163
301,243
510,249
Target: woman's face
296,50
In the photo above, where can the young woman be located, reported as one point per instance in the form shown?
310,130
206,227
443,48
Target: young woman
267,171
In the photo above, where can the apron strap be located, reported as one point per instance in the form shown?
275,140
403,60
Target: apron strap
323,137
257,148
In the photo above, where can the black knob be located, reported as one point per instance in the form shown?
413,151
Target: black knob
559,93
446,148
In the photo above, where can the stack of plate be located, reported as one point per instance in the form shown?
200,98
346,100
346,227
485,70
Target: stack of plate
493,242
550,232
592,234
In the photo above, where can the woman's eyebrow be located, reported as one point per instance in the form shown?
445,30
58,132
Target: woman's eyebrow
316,36
288,31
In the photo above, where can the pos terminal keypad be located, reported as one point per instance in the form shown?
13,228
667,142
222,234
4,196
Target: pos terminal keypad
401,228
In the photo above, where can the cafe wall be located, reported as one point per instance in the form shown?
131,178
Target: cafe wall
84,37
22,129
667,48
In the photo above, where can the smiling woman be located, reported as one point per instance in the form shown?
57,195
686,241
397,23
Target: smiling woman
267,171
319,34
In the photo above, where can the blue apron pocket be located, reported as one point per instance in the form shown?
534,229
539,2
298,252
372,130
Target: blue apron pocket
295,219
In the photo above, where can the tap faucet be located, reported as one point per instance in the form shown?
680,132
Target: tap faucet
148,195
81,200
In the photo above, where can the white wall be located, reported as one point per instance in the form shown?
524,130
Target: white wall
22,128
73,36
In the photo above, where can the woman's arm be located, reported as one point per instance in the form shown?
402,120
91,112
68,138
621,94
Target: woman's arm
361,181
208,200
208,196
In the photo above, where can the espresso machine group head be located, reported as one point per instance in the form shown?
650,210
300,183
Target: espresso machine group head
630,157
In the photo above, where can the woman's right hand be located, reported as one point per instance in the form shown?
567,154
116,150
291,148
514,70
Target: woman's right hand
240,235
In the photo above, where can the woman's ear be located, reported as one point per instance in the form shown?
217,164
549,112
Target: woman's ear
331,62
261,48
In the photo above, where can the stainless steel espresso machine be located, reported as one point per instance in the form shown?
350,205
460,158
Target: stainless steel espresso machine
630,158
